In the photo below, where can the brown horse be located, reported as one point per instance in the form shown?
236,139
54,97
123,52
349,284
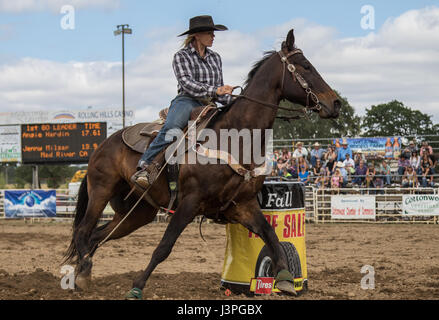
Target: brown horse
203,189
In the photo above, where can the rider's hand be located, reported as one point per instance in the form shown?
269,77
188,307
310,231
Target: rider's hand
226,89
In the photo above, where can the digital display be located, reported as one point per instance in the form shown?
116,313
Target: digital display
60,142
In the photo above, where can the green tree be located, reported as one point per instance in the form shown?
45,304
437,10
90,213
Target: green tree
347,124
396,119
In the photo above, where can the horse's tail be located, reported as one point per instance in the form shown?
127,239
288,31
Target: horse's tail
81,208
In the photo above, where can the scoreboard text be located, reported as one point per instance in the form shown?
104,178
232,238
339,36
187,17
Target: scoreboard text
61,142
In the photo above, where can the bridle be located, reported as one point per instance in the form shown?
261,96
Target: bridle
296,77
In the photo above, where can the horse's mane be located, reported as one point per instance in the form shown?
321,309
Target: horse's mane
250,76
257,65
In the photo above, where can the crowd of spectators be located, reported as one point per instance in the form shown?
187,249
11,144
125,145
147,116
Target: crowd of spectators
338,167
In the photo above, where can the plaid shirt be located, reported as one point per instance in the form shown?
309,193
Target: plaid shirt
199,77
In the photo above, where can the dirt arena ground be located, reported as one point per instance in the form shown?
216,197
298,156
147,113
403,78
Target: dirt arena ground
405,259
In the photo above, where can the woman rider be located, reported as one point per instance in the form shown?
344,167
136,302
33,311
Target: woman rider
199,75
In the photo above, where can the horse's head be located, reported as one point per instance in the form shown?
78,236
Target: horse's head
302,84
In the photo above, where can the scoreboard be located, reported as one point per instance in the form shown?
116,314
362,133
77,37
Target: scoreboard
60,142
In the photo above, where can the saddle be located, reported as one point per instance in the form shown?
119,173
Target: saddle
139,136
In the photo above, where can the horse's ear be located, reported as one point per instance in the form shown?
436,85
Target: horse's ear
290,40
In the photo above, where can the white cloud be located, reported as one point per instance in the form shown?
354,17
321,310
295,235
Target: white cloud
398,61
17,6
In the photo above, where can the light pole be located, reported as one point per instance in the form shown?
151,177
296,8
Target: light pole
123,28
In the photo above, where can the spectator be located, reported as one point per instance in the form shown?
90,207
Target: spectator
403,163
318,169
336,180
370,176
360,173
358,156
426,166
344,173
409,180
300,151
282,166
341,156
304,175
386,173
293,169
316,153
286,154
415,161
426,148
413,147
349,164
331,159
301,163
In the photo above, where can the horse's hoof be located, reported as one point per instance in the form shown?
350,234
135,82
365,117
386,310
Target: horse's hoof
134,294
82,283
286,287
285,282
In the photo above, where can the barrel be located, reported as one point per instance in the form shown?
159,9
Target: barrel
246,258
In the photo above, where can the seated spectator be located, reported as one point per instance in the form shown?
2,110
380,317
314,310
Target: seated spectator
415,161
403,163
370,176
344,173
316,153
318,169
358,156
282,165
336,180
349,164
413,147
301,163
386,173
300,151
292,168
426,148
304,175
409,179
360,173
426,168
341,152
285,155
322,176
331,158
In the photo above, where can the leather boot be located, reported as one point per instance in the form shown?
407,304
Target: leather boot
146,175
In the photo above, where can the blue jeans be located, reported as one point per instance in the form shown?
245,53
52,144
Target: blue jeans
178,116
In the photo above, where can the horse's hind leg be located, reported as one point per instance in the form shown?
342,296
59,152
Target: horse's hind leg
250,216
99,195
184,214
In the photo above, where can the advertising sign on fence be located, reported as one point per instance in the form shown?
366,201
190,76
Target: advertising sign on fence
389,148
10,146
30,203
353,207
420,205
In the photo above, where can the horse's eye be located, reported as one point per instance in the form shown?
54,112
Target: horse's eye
307,66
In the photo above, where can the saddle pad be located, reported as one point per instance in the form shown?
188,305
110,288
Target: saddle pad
139,136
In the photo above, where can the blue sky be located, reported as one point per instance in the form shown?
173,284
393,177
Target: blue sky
43,66
38,33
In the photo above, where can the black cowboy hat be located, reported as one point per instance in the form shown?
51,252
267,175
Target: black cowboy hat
203,23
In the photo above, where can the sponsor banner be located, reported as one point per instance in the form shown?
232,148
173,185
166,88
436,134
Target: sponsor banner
389,147
247,264
353,207
30,203
10,144
112,115
420,205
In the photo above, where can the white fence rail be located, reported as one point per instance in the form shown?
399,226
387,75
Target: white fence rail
388,205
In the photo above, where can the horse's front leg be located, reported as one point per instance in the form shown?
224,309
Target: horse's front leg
185,213
250,216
